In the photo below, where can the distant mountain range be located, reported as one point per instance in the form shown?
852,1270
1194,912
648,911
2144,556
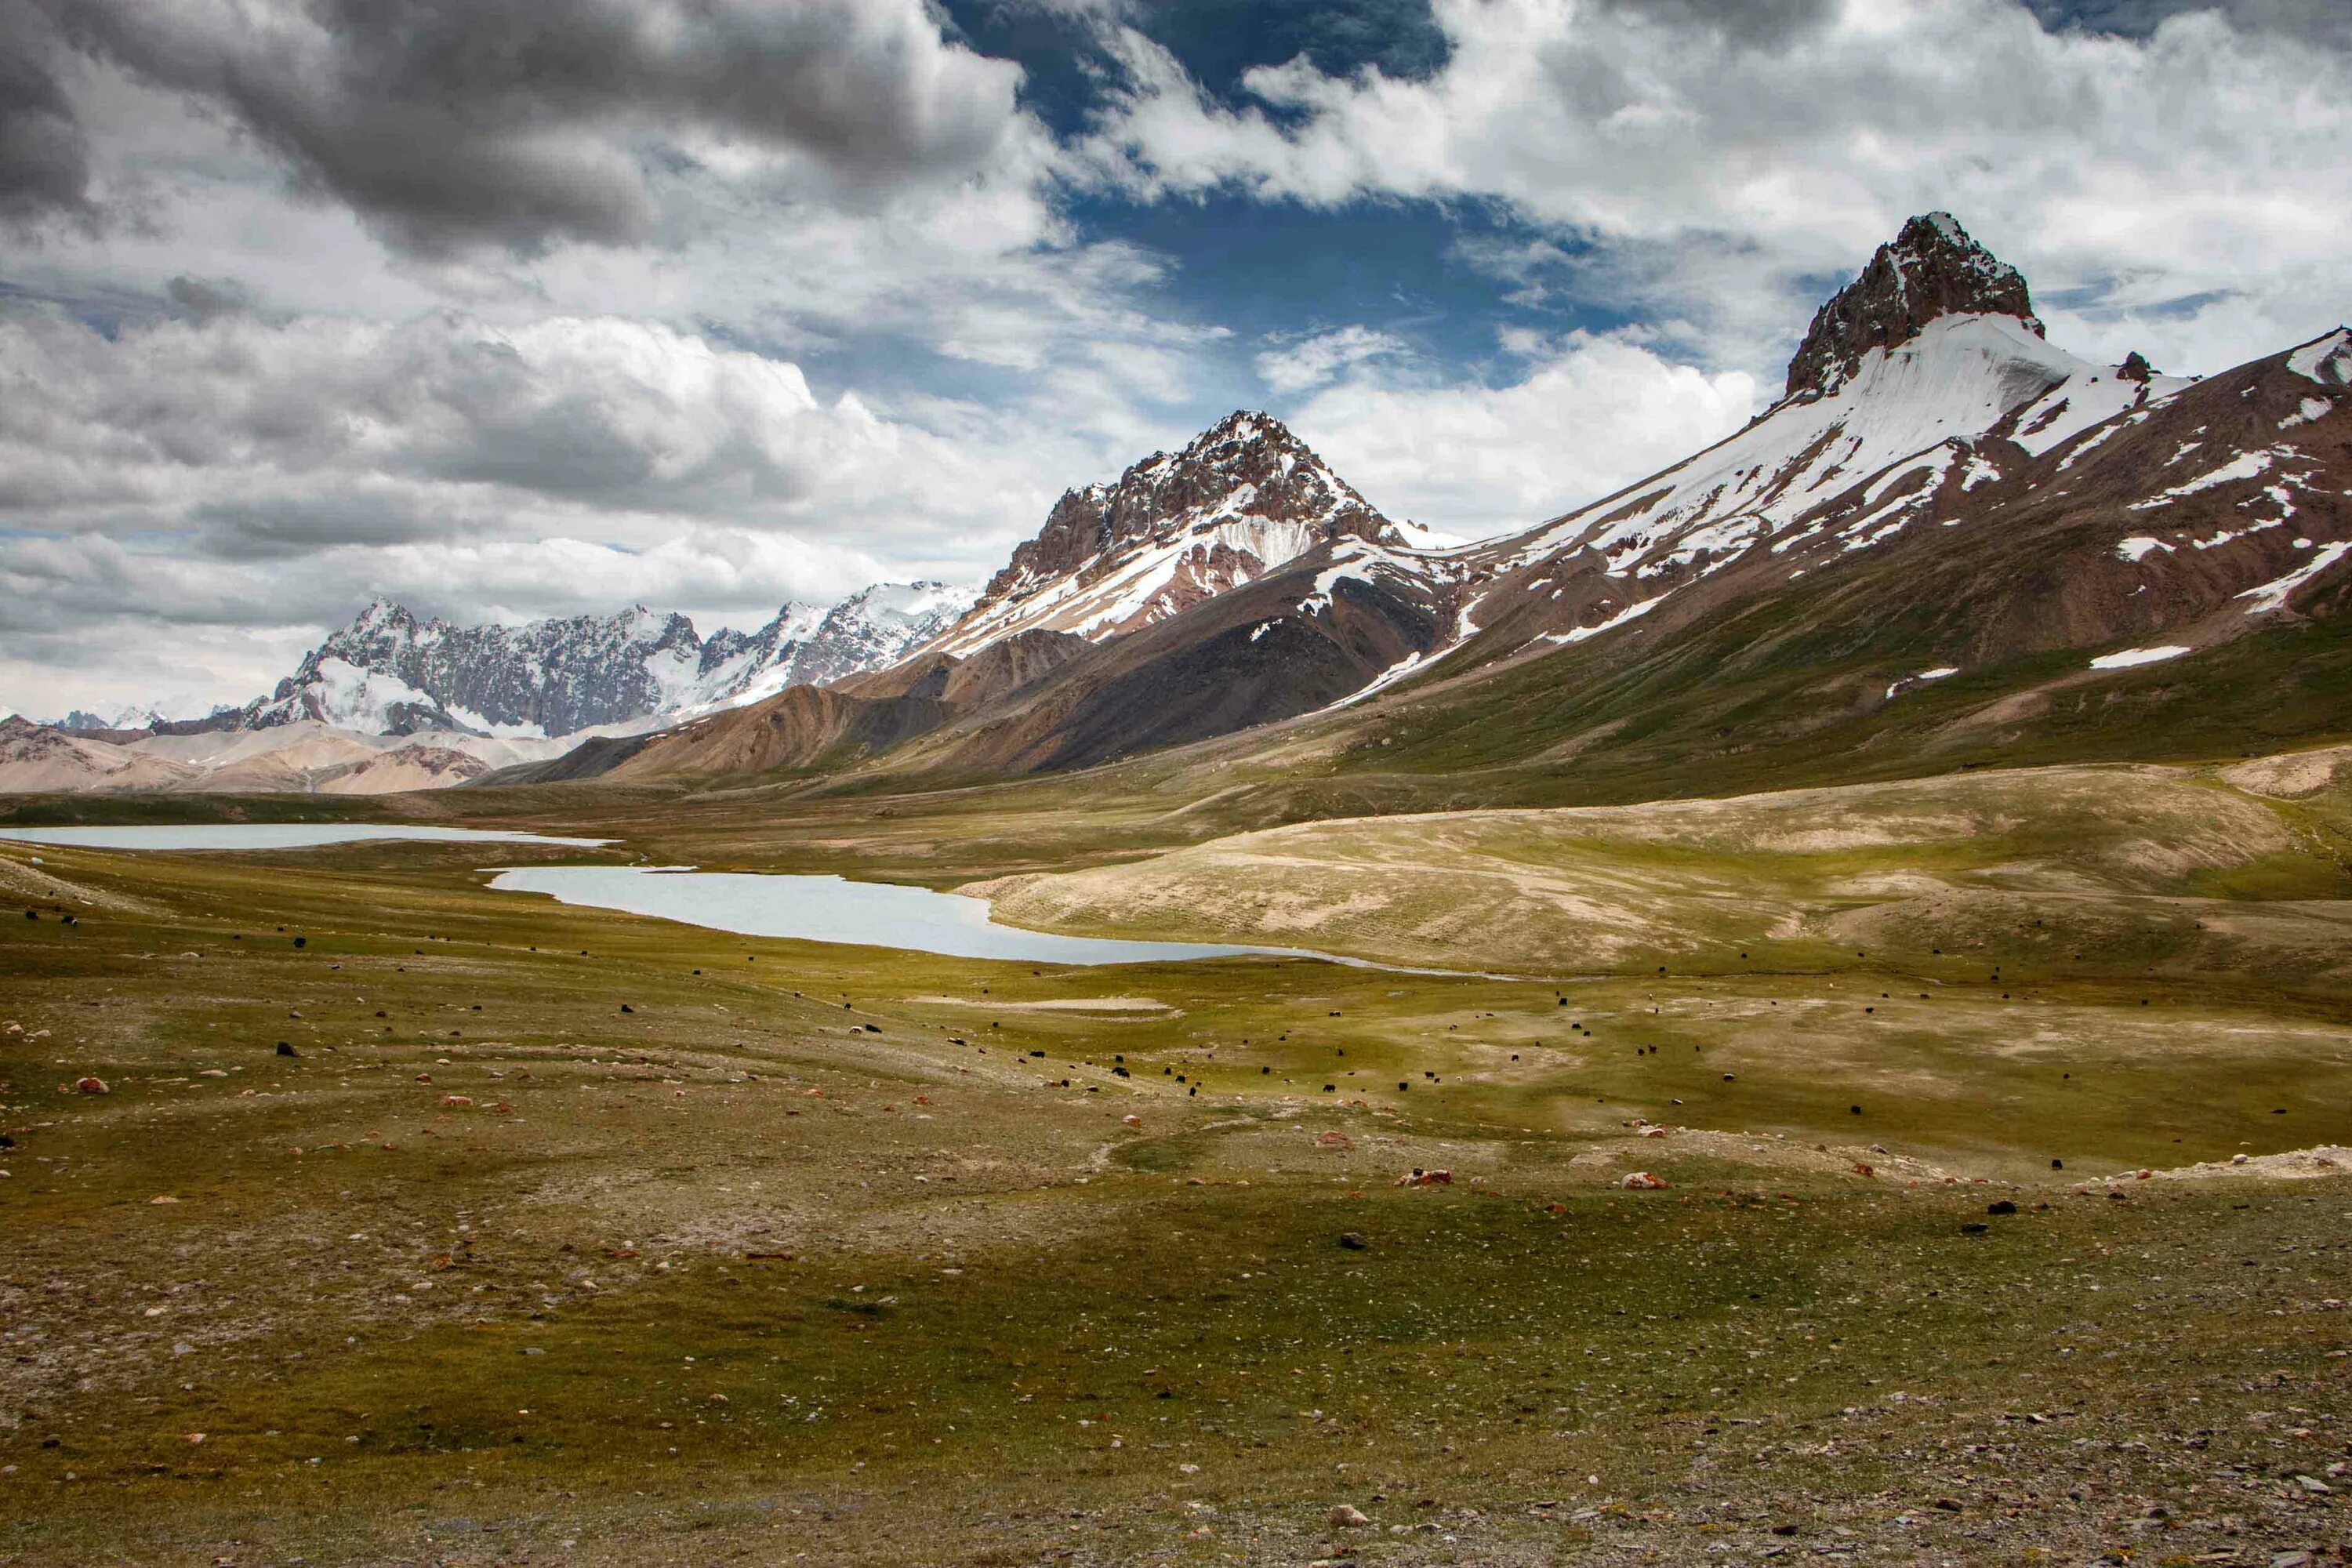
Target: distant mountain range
387,673
390,702
1949,535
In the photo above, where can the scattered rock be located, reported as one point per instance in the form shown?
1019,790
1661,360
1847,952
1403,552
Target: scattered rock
91,1086
2000,1206
1643,1181
1347,1516
1353,1241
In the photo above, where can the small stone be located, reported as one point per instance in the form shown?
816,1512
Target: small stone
1347,1516
91,1086
1353,1241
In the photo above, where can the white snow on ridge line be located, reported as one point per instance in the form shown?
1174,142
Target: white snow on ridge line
1957,379
1100,608
2273,595
1433,541
2136,656
2090,397
2327,360
1924,403
2139,546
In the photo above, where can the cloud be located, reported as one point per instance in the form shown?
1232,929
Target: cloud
439,423
1589,416
2322,21
2209,158
205,298
1304,363
234,470
518,125
1752,22
44,156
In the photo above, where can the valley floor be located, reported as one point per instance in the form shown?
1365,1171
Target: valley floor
568,1238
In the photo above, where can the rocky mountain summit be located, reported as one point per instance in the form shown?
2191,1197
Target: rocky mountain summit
1243,498
1931,269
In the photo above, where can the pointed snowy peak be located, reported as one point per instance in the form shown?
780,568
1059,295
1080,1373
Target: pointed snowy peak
1241,499
1246,466
1931,269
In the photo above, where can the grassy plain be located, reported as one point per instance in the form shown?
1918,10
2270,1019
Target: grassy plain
566,1236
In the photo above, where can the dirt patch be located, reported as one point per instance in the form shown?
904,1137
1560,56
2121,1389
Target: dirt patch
2293,775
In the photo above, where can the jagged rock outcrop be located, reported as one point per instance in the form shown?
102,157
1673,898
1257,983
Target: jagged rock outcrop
1931,269
1240,500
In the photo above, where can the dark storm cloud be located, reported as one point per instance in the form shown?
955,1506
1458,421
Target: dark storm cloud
2320,21
275,528
1754,22
44,156
451,123
202,298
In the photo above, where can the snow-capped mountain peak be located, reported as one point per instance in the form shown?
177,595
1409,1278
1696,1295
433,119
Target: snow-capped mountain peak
1930,270
1243,498
131,716
388,672
1917,385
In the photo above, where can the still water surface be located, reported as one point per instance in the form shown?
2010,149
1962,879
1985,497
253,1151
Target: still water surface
806,908
828,909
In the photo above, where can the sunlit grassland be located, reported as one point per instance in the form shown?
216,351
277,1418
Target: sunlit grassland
910,1293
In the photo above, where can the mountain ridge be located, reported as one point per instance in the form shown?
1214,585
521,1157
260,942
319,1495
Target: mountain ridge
1238,501
1936,434
389,673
